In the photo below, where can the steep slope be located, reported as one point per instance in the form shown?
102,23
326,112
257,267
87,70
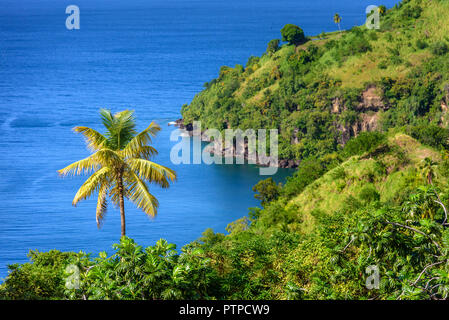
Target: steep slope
321,93
386,174
375,208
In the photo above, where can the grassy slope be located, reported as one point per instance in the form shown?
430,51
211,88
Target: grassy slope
391,173
359,69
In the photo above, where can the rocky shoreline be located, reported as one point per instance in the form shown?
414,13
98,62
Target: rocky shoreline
282,163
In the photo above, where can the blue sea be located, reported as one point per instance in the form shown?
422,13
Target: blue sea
149,56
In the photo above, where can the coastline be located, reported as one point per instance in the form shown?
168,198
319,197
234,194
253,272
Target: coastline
282,163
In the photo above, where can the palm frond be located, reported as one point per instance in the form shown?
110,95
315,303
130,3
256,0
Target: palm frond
102,203
120,127
114,194
84,166
141,140
91,185
151,171
108,158
94,139
141,196
107,118
144,152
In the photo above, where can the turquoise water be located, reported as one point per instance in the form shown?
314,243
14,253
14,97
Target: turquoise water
150,56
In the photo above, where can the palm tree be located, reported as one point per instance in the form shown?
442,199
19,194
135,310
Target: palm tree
337,20
427,168
120,166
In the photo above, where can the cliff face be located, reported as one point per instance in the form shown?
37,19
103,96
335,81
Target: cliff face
368,108
444,119
371,103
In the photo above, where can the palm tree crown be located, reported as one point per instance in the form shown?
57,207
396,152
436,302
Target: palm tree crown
337,20
120,165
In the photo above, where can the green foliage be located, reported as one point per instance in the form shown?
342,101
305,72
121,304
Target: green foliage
431,135
266,191
411,11
369,193
364,142
292,34
440,48
273,46
157,272
42,278
421,44
308,171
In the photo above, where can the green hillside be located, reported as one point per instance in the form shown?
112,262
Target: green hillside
387,176
317,243
328,89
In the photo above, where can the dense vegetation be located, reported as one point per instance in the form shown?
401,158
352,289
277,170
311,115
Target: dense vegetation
363,195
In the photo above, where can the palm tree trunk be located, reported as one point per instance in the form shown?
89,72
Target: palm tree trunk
122,203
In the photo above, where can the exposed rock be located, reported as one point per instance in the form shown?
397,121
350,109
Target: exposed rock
345,134
179,123
336,105
444,120
370,104
371,100
294,139
366,122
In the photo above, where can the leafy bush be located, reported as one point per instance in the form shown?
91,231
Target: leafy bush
42,278
439,48
421,44
267,191
273,46
431,135
292,34
369,194
411,11
364,142
308,171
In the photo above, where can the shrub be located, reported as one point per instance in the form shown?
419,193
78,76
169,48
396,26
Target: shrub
292,34
439,48
308,171
383,64
412,12
252,61
421,44
431,135
369,194
43,278
273,46
364,142
267,191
